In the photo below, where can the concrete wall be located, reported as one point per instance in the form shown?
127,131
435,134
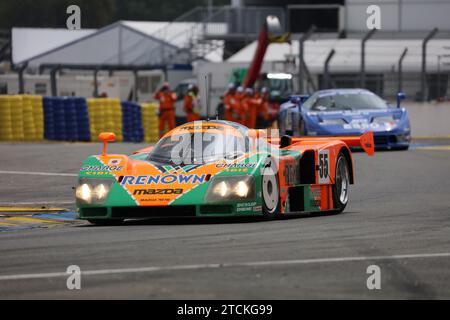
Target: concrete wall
429,119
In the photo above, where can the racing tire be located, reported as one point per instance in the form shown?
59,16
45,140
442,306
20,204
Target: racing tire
341,185
270,192
104,222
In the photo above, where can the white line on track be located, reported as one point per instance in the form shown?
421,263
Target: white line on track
225,265
30,203
40,173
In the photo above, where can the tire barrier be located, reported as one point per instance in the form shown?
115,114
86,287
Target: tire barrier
21,118
66,119
132,122
6,124
105,115
35,118
150,122
82,118
38,112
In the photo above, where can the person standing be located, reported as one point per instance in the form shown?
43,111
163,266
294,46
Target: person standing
192,104
166,99
229,101
239,111
251,106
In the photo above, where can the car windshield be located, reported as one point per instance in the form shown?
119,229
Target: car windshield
199,148
344,101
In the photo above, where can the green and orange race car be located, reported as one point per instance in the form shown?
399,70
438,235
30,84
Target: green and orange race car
218,168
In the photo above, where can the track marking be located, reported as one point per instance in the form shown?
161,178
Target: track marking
224,265
29,209
439,148
40,173
12,204
31,220
7,224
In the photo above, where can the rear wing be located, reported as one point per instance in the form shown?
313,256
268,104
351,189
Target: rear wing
364,141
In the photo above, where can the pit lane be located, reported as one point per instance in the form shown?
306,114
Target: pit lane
399,206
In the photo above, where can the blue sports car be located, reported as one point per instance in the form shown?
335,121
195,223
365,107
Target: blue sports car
340,112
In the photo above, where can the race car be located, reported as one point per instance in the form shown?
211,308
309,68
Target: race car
219,168
347,112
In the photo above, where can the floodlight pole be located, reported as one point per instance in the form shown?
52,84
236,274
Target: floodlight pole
400,70
53,84
21,72
95,83
326,69
423,76
363,57
301,56
135,89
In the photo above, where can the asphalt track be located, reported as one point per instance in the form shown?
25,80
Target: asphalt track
398,218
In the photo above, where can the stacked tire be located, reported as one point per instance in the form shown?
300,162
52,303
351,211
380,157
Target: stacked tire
150,122
70,116
17,118
59,115
105,115
6,130
49,119
29,130
82,119
38,113
132,122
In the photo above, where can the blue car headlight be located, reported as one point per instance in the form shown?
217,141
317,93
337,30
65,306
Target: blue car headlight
93,191
231,188
387,121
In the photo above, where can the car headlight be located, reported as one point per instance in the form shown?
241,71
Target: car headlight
93,191
231,188
385,120
332,122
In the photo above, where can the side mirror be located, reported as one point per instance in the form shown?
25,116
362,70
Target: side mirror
400,96
295,99
106,137
303,97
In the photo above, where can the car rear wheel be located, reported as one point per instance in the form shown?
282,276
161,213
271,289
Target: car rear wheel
341,184
270,191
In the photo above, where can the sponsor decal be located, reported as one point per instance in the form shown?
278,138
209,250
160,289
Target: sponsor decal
175,169
246,204
98,173
166,179
102,168
316,195
236,165
201,127
291,174
114,162
140,192
257,209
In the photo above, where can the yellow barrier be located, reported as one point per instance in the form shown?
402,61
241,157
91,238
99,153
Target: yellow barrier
150,122
21,118
38,113
6,131
105,115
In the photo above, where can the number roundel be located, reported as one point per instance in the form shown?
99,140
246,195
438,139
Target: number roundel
324,166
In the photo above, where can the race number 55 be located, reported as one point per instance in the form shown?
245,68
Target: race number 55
324,166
